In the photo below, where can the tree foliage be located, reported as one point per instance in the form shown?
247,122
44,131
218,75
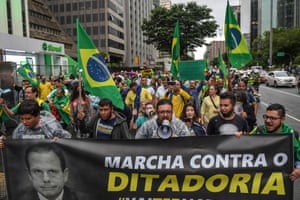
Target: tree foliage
284,40
195,24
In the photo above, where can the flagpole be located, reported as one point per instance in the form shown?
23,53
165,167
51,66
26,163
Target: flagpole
229,85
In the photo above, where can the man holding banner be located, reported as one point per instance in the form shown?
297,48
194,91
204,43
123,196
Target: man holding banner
274,124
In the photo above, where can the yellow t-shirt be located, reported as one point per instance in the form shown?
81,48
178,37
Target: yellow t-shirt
44,90
145,95
178,101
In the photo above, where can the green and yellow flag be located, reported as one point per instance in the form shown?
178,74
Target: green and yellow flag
175,52
239,55
206,68
27,73
222,66
3,116
73,65
97,79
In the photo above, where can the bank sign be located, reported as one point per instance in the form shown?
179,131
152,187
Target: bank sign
53,48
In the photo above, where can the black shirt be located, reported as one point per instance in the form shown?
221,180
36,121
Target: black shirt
219,126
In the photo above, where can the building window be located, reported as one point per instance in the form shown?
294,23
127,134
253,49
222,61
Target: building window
81,5
95,30
75,6
102,29
101,17
62,19
103,43
115,44
74,19
88,30
95,17
68,20
88,18
68,7
81,18
101,4
87,5
94,4
62,8
55,8
95,43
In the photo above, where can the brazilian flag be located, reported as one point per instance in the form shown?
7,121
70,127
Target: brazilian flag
27,73
239,55
97,79
175,51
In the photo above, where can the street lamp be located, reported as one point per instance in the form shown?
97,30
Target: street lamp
271,33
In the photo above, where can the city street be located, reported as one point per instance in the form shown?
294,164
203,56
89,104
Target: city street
285,96
290,98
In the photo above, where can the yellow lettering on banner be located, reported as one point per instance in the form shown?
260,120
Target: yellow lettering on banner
256,183
274,183
134,182
239,181
242,183
149,181
189,179
112,180
170,182
221,178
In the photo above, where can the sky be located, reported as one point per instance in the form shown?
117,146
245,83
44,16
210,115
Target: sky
218,12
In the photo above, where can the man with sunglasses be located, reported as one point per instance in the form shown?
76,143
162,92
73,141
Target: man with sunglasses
274,124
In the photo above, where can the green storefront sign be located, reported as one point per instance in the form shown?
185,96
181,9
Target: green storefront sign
50,47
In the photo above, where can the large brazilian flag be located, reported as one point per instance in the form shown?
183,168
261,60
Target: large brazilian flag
96,77
239,55
27,73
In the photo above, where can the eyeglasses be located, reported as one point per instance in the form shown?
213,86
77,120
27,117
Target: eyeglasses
266,117
165,112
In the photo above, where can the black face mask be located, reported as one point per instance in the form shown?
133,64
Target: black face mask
225,115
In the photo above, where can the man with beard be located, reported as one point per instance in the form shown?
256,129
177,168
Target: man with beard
164,116
274,124
227,122
107,124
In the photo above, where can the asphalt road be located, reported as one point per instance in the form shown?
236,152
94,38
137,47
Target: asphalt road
290,98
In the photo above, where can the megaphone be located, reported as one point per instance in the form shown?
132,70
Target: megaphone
164,131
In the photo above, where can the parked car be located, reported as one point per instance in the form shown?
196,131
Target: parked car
280,78
263,75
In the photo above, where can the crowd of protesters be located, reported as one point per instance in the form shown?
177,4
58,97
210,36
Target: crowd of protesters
156,106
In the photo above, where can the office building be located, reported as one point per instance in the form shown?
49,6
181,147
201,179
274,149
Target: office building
30,34
138,52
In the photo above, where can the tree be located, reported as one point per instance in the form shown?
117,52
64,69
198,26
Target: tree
284,40
195,24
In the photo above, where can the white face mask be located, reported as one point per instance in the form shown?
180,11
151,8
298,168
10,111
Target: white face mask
149,112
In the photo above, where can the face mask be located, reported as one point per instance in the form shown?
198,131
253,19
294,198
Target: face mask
149,112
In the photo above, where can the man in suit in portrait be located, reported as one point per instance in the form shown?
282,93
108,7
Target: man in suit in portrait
48,173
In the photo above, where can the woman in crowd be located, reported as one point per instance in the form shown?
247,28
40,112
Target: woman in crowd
192,120
244,109
210,105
